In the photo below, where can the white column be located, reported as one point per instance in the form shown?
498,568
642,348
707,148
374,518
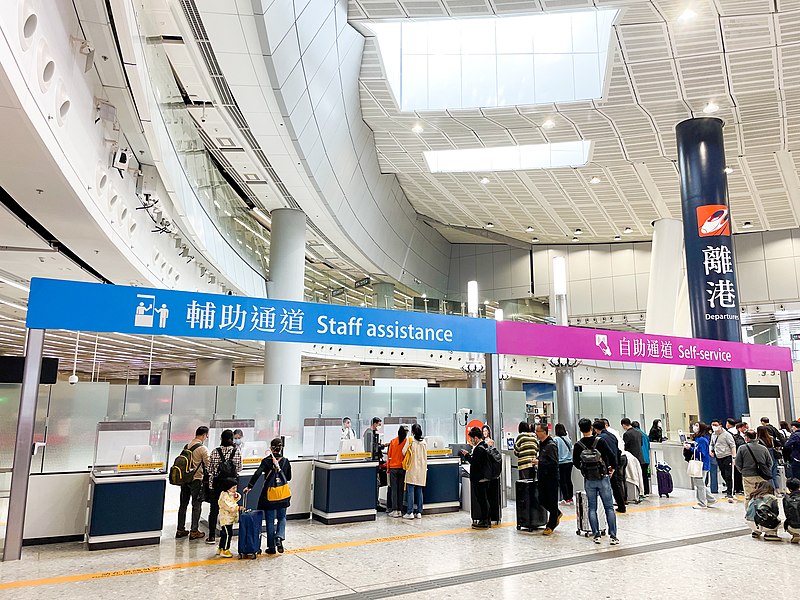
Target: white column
565,378
175,377
248,375
286,270
667,303
213,371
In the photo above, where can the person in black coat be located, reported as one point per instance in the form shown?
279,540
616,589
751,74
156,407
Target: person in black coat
480,476
547,482
277,472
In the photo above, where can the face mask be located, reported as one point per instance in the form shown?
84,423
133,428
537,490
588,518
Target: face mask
237,441
716,428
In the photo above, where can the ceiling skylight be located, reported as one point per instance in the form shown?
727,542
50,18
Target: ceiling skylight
498,61
510,158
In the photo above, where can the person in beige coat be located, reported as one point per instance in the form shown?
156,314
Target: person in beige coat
416,472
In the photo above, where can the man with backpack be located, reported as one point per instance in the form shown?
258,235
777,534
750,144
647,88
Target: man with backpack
192,468
618,477
596,461
547,482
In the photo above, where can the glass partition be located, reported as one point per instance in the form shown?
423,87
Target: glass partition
613,408
513,403
440,411
339,401
655,407
226,402
298,402
590,405
72,418
634,408
9,411
192,407
375,402
40,427
408,402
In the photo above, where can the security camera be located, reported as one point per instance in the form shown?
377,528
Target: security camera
463,415
73,379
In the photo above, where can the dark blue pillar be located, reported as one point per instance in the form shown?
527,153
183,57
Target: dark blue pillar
710,265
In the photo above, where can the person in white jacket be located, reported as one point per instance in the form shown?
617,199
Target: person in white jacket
416,473
633,478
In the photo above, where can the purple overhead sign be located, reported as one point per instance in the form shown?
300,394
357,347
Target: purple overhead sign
532,339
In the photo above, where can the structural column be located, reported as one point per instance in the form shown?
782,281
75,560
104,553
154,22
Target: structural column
565,378
214,371
383,295
175,376
286,271
713,295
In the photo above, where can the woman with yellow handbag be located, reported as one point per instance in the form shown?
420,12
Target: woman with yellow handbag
276,495
415,462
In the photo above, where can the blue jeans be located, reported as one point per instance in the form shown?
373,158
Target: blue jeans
275,529
414,496
776,482
602,488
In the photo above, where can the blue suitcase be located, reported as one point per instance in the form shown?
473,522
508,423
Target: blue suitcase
250,533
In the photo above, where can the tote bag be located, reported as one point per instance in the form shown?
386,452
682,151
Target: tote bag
695,468
278,488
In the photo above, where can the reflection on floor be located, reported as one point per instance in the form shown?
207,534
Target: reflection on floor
331,561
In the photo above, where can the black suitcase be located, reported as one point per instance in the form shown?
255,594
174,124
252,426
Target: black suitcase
494,498
530,514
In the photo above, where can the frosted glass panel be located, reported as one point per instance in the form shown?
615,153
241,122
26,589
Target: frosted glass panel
298,402
9,412
226,402
589,405
339,401
408,402
72,421
261,402
192,407
116,402
513,403
440,409
375,402
634,407
613,409
654,408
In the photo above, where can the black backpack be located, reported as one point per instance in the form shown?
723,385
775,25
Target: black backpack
226,470
592,466
766,517
495,461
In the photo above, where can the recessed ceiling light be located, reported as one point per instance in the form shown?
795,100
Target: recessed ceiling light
484,180
728,170
424,295
489,225
617,238
417,128
549,124
529,229
627,230
486,303
711,108
534,240
578,231
594,180
687,15
747,225
574,239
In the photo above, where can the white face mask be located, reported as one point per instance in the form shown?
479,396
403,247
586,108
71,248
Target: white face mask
716,428
237,441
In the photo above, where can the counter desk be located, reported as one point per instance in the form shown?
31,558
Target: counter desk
441,493
345,492
302,469
125,510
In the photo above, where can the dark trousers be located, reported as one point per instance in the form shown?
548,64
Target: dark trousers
213,514
725,464
548,498
646,477
565,481
482,497
738,483
493,492
529,473
225,535
396,479
618,489
194,492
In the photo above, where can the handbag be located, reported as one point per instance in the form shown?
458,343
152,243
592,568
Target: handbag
278,488
407,459
695,468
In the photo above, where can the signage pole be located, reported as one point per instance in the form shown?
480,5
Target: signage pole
713,295
494,411
23,448
786,403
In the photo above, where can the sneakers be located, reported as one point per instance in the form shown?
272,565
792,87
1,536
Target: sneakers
270,550
418,516
225,554
730,499
219,551
771,537
210,540
279,544
181,533
596,540
614,541
700,507
712,501
547,531
755,534
481,525
795,539
196,535
408,516
559,517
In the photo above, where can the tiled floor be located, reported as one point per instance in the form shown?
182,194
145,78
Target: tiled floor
335,560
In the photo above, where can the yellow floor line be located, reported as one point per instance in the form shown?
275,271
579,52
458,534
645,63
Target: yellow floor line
218,561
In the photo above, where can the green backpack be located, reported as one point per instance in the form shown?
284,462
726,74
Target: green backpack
181,472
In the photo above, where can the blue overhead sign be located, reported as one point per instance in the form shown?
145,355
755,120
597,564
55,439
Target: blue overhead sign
78,306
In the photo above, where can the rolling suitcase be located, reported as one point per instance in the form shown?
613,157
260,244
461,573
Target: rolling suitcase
250,533
663,478
582,507
530,514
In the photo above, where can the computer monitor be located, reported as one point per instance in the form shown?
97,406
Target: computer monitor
435,442
254,449
350,447
134,455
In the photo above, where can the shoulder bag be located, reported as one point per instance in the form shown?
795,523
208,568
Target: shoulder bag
278,488
695,468
760,469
